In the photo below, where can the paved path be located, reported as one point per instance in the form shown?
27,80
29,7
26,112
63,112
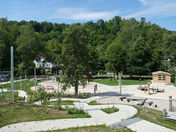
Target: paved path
21,93
139,125
161,103
145,126
98,117
13,81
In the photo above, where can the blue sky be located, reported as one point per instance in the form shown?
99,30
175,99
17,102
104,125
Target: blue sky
161,12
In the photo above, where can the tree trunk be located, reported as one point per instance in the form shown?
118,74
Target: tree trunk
140,77
76,85
76,89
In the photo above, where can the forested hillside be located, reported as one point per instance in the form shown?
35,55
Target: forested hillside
131,46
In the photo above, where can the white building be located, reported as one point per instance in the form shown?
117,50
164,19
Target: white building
42,63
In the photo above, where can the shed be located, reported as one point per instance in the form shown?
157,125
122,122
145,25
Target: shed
161,77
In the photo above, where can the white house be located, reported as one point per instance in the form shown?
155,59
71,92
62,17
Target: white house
42,63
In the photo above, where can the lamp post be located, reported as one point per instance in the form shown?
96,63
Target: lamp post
35,77
12,77
120,85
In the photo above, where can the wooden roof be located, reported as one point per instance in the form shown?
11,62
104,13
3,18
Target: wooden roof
159,72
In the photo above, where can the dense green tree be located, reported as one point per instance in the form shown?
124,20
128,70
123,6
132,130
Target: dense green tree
116,56
28,48
53,50
159,42
140,57
75,57
8,35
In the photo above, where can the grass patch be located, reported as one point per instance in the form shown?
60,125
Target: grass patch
94,102
10,114
63,102
75,111
114,82
154,116
100,128
26,85
80,96
110,110
6,96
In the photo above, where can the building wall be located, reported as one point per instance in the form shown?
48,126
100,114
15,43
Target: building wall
160,76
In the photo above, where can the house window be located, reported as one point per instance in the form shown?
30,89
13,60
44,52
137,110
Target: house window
159,77
164,77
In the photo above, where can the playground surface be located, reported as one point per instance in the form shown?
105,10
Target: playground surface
98,117
127,90
109,95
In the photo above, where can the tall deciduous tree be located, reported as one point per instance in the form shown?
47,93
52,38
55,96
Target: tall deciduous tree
116,56
140,57
75,57
28,48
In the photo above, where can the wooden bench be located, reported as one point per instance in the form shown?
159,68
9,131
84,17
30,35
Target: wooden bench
142,102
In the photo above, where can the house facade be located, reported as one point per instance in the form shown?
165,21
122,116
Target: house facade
43,64
161,77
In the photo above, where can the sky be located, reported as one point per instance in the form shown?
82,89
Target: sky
161,12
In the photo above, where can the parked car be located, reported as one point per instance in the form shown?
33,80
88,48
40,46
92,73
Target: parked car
3,78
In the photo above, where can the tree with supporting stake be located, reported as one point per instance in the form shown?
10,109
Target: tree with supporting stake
74,59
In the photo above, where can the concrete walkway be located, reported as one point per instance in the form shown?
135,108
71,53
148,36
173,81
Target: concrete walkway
13,81
145,126
139,125
98,117
21,93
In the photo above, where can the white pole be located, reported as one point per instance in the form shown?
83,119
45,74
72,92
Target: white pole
120,85
35,77
20,82
12,77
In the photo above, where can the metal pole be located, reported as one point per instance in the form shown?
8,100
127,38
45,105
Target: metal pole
12,77
164,114
0,75
175,78
20,82
120,85
35,78
170,103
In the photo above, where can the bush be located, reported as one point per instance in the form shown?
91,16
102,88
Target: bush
17,98
41,94
101,72
82,95
75,111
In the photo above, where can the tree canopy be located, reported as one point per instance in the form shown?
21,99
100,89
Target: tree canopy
148,47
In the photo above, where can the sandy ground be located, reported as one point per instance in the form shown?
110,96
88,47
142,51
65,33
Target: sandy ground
127,90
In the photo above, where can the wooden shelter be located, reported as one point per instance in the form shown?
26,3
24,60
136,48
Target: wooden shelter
161,77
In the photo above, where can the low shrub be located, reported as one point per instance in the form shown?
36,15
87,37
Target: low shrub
75,111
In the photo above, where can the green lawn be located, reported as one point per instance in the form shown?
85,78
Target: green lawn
114,82
110,110
154,116
6,97
94,102
26,85
63,102
101,128
13,114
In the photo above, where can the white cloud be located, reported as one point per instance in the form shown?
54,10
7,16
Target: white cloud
83,14
144,2
157,9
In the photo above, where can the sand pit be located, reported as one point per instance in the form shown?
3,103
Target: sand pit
129,90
